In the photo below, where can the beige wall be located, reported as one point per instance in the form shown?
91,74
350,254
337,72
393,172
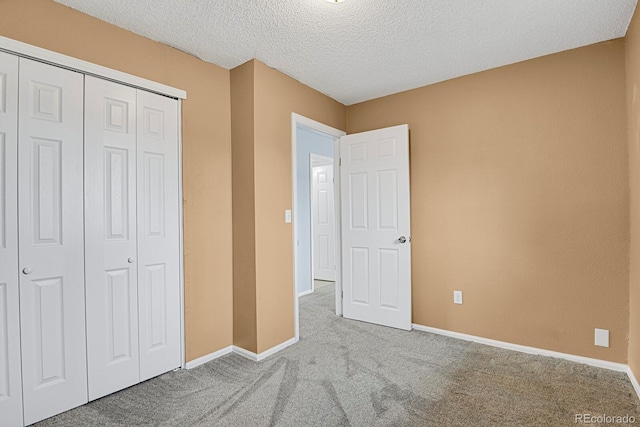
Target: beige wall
244,213
206,146
275,97
632,46
519,198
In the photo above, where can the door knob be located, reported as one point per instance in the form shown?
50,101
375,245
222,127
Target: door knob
402,239
131,260
27,270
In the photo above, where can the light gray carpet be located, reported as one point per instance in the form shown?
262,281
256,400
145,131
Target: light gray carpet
344,372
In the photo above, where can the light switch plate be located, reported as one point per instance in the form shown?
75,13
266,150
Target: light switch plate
602,338
287,216
457,297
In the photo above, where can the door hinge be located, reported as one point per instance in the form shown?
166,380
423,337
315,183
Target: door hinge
340,161
342,294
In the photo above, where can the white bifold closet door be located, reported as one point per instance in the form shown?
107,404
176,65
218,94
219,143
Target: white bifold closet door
158,234
10,371
51,240
132,237
110,221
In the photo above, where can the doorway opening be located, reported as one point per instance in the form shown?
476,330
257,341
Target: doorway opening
316,244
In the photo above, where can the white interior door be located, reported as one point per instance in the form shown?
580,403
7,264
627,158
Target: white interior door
376,250
10,368
110,236
323,223
51,242
158,234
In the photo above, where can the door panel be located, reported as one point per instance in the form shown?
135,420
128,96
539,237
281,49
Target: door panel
116,182
49,331
324,257
110,206
47,203
375,211
119,336
323,220
158,234
358,203
387,200
51,246
389,273
153,203
156,305
359,275
10,364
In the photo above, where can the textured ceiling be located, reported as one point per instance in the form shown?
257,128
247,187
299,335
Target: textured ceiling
363,49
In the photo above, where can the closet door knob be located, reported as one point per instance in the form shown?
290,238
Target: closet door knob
131,260
27,270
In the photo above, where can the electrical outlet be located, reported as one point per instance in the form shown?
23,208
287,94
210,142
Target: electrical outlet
287,216
457,297
602,338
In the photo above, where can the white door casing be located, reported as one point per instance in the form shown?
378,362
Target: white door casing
158,234
323,223
110,236
10,365
51,242
374,175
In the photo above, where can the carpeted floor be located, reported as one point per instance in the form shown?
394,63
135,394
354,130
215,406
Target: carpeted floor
345,372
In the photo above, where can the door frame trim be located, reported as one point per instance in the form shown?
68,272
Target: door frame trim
183,335
299,120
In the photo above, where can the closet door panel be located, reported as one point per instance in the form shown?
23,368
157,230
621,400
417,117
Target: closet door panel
10,365
51,242
158,234
110,236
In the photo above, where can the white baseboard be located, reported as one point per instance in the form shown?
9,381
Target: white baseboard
209,357
301,294
258,357
621,367
634,381
240,351
245,353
